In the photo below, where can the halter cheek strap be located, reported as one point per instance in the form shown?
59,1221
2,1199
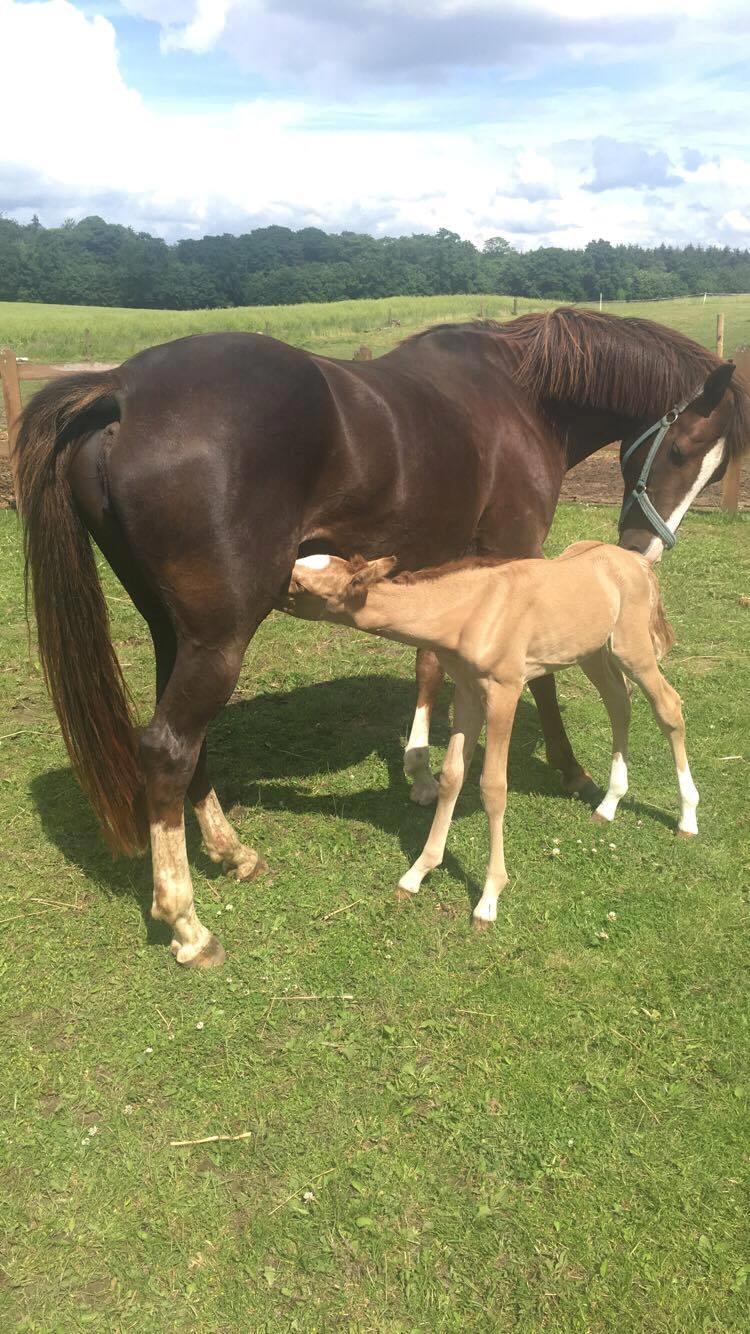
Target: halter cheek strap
639,495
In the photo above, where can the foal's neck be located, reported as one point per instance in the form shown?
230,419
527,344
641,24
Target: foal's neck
430,612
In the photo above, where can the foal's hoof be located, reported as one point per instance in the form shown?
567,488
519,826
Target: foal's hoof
596,818
212,955
687,834
402,895
480,924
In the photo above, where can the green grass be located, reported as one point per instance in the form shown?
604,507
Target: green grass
84,333
536,1129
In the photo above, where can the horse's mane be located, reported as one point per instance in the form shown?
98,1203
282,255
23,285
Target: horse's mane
611,363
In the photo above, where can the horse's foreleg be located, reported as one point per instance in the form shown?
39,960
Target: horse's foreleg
559,750
467,724
430,677
501,708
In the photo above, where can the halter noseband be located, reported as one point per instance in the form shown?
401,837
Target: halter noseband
639,495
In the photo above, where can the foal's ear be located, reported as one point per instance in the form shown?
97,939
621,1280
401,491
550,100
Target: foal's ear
713,390
370,573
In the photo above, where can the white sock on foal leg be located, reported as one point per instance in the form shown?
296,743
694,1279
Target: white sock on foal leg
618,786
689,798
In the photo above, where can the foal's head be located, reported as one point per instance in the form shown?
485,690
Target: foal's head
691,453
325,586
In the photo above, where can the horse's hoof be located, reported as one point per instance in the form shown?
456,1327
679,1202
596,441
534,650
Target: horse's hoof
424,793
596,818
402,895
212,955
574,784
687,834
248,870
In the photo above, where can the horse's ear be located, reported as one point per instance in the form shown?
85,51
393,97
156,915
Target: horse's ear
370,573
713,390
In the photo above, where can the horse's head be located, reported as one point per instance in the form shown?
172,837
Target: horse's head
669,463
322,587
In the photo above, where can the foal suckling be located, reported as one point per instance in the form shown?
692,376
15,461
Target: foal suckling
496,626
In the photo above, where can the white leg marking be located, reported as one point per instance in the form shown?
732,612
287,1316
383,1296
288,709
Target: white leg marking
486,909
689,798
221,841
417,759
618,786
173,891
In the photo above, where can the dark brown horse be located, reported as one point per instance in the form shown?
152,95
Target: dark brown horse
202,467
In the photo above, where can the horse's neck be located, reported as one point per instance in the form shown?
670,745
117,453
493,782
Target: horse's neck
583,432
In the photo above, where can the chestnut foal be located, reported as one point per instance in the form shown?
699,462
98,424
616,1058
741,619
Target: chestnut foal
496,626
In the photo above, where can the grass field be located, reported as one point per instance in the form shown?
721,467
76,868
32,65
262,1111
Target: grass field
85,333
541,1128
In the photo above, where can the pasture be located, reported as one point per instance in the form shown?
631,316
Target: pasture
86,333
543,1127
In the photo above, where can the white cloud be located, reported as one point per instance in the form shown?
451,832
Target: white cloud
518,166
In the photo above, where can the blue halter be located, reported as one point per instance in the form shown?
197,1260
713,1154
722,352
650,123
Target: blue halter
639,495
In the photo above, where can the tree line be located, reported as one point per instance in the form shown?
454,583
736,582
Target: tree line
93,262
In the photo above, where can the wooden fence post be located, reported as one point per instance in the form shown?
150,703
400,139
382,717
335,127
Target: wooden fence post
730,486
720,335
12,402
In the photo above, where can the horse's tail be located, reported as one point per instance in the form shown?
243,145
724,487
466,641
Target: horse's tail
661,632
80,667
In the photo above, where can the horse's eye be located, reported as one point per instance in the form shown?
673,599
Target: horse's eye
675,455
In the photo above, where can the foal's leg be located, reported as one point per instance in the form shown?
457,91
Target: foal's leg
559,750
606,676
501,709
201,681
430,677
467,724
667,708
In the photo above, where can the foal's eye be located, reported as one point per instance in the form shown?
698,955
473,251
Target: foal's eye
675,455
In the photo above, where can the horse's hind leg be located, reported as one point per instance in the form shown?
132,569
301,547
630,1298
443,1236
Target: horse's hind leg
219,838
430,677
606,676
201,681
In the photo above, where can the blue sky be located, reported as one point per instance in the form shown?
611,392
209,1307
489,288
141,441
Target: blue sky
548,122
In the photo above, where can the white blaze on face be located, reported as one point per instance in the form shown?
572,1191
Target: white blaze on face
711,462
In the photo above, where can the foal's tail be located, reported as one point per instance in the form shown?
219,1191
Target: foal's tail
661,632
80,667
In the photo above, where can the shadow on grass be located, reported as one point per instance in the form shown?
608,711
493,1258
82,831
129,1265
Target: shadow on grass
261,745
